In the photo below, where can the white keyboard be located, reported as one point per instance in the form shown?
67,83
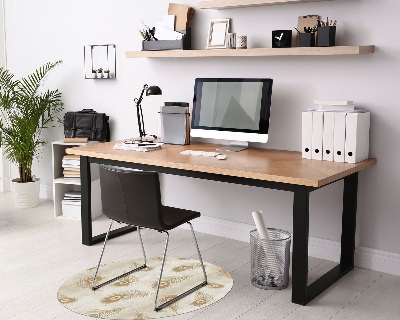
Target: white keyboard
200,153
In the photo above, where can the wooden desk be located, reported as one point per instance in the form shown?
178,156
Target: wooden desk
273,169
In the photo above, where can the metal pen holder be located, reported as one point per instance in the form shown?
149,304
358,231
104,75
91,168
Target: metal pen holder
270,271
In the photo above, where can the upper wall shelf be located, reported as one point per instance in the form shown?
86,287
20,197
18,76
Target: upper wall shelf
256,52
226,4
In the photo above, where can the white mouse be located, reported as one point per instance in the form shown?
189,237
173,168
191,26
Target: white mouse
221,157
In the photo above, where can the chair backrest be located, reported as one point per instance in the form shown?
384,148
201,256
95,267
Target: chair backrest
131,197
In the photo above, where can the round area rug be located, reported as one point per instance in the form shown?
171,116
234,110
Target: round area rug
132,297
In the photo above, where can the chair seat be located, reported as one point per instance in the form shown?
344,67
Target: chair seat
174,217
134,197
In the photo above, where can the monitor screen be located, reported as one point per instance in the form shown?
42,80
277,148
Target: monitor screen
238,106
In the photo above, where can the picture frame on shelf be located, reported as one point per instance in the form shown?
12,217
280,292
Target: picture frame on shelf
217,31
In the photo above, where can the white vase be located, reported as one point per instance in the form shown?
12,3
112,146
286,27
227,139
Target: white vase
26,195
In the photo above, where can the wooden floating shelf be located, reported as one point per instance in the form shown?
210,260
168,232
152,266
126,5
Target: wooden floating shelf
256,52
227,4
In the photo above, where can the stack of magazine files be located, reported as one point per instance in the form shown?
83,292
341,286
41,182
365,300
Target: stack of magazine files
71,166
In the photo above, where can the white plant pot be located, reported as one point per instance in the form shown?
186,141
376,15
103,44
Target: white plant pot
26,195
99,75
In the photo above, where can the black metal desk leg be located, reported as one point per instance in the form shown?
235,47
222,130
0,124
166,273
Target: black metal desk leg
349,221
301,293
86,206
300,245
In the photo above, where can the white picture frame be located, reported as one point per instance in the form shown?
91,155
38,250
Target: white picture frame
217,33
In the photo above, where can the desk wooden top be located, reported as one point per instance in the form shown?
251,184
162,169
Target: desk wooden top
253,163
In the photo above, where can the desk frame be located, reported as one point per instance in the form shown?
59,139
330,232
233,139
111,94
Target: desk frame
301,292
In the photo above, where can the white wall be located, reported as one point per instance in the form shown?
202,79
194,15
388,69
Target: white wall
44,30
4,165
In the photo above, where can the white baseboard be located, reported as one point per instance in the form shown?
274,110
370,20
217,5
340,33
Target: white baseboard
5,184
378,260
46,192
367,258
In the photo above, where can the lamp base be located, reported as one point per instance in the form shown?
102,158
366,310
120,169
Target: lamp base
145,139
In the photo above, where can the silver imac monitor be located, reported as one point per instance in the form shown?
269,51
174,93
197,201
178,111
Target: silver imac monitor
232,109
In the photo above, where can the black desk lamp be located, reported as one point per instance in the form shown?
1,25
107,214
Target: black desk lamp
150,91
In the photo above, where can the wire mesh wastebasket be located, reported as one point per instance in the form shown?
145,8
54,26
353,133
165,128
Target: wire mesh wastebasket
270,259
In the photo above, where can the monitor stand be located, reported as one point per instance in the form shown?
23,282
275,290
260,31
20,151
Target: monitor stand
235,146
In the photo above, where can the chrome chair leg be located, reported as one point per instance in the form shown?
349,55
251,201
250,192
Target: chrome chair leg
162,268
141,242
198,252
165,304
122,275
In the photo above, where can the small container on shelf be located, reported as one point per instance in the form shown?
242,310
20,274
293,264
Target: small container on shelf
326,36
71,210
107,74
306,39
100,73
184,44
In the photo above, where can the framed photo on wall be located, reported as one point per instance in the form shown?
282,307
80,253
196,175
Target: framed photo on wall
217,33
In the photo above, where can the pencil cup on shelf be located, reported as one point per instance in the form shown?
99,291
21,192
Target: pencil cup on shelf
241,42
306,39
270,259
326,36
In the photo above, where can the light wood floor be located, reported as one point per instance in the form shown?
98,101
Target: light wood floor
38,253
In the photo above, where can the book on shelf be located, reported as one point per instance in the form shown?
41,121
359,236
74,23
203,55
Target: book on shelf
333,105
72,195
76,140
72,198
71,166
71,157
334,102
70,163
71,174
71,203
72,169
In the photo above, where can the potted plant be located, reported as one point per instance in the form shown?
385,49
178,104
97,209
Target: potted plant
94,74
100,73
106,73
25,111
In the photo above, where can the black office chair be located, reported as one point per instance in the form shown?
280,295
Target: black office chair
134,198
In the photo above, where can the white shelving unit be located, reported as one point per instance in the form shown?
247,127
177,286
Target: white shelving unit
62,185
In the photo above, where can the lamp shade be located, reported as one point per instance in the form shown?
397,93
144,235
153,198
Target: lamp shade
153,91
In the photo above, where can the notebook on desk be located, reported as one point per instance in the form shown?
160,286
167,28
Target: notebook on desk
132,146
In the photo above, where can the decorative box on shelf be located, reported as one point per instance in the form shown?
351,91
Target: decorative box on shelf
73,211
184,44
